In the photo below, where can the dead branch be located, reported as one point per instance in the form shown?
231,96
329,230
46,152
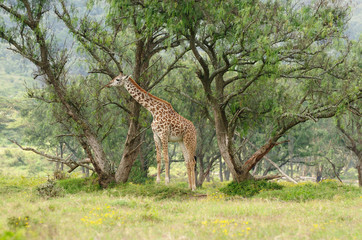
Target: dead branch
269,177
68,161
334,169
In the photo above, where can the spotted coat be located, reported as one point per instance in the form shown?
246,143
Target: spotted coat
167,126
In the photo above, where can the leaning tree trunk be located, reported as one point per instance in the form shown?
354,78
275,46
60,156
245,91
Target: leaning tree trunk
95,152
225,143
132,144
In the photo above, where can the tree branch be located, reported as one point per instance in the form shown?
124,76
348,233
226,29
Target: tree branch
69,162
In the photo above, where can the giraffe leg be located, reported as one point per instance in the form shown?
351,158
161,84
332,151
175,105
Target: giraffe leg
165,158
192,164
189,143
186,154
158,155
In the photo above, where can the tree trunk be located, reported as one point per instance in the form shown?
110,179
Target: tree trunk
133,140
359,170
291,155
226,172
225,144
201,176
359,166
61,155
319,172
256,157
132,145
144,166
220,170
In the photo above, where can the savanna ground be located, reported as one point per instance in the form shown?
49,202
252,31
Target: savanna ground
149,211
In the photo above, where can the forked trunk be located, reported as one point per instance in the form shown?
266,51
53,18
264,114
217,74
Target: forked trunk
225,144
240,172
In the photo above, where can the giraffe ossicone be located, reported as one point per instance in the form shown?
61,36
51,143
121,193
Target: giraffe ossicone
167,126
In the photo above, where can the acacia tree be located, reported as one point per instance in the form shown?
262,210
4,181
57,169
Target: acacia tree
125,26
277,61
79,106
29,37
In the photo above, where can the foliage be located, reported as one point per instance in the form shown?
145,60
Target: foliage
50,189
157,191
311,191
137,175
76,185
249,188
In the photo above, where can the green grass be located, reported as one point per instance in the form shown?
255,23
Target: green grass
17,162
152,211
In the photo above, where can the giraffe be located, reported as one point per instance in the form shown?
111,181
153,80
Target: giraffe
167,126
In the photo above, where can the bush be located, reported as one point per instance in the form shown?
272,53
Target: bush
75,185
158,191
308,191
137,175
249,188
59,175
49,189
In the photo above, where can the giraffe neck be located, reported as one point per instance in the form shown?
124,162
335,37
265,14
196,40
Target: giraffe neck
147,100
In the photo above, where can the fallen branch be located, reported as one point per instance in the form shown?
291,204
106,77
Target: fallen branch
68,161
269,177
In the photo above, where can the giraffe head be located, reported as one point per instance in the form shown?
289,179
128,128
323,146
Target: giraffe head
117,81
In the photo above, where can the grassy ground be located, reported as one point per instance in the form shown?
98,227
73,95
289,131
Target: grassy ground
172,212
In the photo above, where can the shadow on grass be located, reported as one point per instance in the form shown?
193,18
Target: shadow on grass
150,189
257,189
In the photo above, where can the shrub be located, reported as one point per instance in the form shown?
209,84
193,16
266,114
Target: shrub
249,188
59,175
158,191
49,189
75,185
308,191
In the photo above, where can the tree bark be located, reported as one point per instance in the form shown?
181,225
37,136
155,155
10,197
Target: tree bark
132,145
220,170
359,170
